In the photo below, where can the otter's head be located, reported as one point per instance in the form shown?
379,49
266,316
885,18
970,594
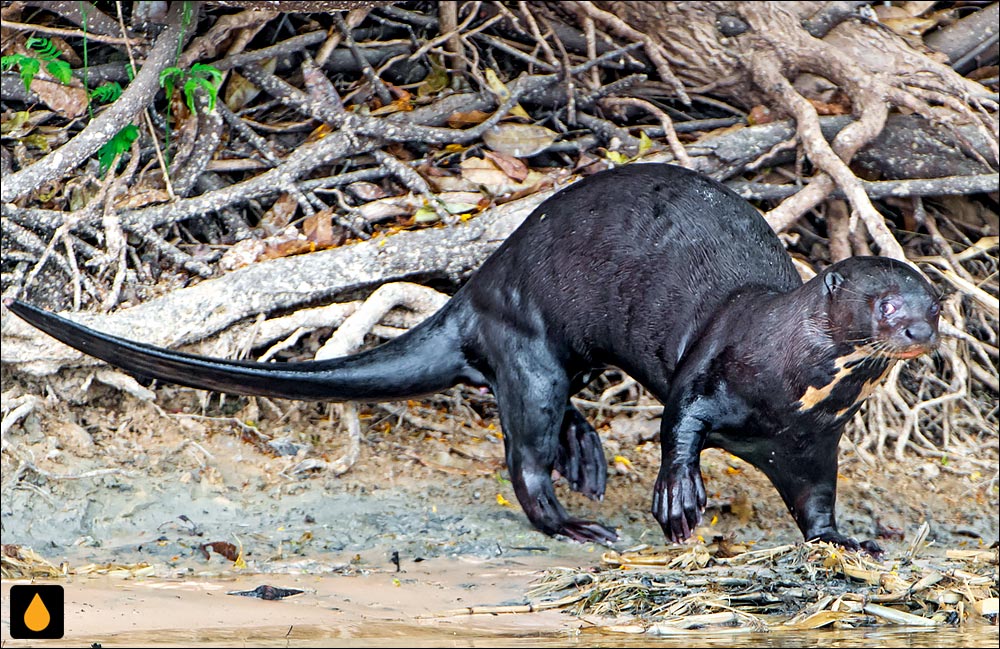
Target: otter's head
882,304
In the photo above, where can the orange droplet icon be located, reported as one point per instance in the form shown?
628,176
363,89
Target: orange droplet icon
36,617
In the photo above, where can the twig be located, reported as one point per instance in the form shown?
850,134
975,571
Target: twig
590,34
146,116
838,229
946,186
354,18
284,48
829,16
503,46
680,154
207,44
537,34
72,33
377,86
654,50
79,12
114,238
450,30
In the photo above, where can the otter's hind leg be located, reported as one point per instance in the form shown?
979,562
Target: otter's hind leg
580,458
532,391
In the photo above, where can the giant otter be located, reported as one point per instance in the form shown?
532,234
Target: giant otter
663,273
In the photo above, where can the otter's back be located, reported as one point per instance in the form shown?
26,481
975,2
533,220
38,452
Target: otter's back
632,261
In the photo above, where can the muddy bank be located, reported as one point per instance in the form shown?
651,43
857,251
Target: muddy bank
96,485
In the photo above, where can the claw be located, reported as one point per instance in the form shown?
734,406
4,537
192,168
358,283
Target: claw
678,501
869,547
583,531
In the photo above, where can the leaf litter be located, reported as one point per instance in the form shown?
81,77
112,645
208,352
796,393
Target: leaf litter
726,587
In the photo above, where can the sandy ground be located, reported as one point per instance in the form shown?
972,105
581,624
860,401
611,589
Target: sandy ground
128,483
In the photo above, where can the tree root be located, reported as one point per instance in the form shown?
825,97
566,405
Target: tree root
362,132
350,335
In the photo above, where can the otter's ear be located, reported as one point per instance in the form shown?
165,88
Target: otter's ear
833,281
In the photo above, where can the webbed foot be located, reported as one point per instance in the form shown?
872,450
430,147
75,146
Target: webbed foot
580,458
583,531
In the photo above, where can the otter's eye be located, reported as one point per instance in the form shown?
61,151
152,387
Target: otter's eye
935,310
887,308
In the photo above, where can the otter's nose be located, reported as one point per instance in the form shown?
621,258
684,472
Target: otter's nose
920,333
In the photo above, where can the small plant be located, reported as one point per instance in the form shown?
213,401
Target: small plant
118,145
206,76
29,66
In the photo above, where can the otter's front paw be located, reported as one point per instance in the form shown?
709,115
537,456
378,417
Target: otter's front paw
679,500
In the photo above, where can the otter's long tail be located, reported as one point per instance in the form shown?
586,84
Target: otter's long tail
426,359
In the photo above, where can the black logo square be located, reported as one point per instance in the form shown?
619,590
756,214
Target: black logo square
37,612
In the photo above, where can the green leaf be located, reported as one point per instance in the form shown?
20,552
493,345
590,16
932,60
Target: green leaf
106,92
192,84
29,68
169,77
44,46
13,60
119,144
458,208
425,215
616,157
189,87
209,72
644,142
60,70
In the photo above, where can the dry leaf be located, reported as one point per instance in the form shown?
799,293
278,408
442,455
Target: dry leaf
240,91
141,198
510,165
483,175
288,248
389,207
466,119
366,191
225,548
479,171
502,93
436,80
519,140
68,101
759,115
829,108
280,215
320,230
400,105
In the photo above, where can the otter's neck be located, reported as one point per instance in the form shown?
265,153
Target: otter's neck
799,330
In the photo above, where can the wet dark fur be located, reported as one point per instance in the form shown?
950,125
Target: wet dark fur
656,270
